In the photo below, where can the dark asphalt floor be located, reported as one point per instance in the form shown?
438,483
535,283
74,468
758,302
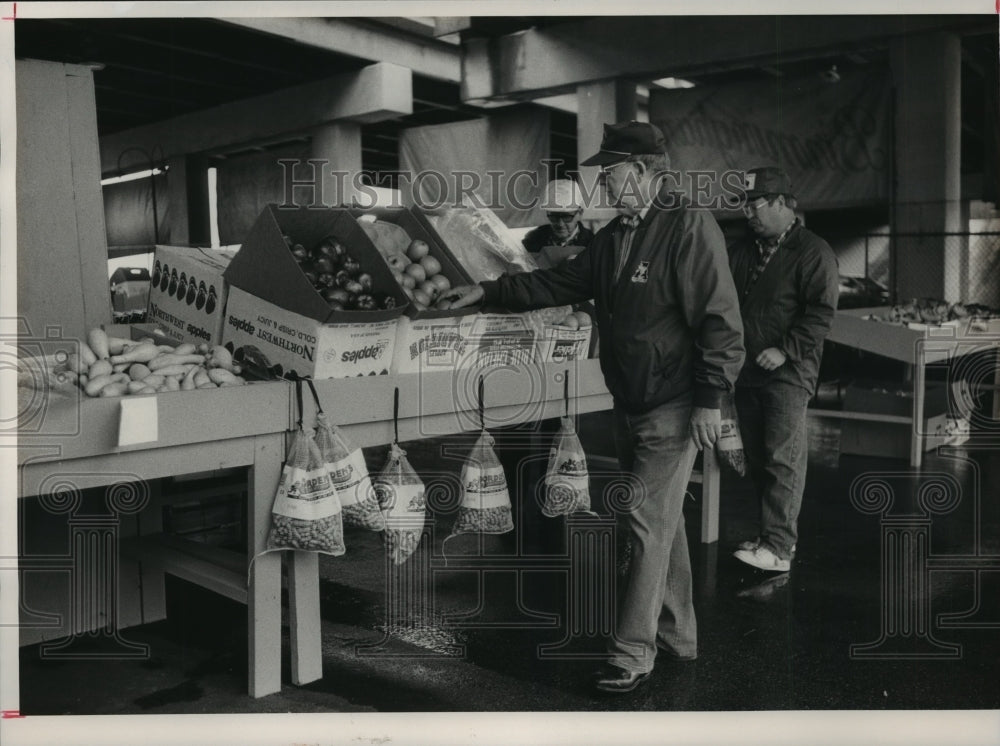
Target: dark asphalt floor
917,584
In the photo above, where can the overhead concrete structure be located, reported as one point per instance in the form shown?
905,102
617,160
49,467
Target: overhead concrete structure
380,91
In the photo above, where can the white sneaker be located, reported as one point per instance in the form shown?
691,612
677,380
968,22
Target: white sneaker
763,559
749,546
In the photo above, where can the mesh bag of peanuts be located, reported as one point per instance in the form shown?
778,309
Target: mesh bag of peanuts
349,473
485,504
729,446
400,494
306,513
567,480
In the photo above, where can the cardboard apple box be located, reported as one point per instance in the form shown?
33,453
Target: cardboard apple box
187,293
427,345
559,344
499,339
265,267
305,346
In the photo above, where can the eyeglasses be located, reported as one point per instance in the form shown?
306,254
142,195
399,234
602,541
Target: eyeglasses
757,205
561,217
605,170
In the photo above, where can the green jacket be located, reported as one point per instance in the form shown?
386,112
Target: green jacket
790,307
669,327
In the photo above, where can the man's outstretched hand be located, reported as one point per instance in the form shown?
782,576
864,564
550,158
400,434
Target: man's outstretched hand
461,296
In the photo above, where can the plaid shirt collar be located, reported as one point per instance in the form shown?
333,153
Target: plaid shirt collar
769,246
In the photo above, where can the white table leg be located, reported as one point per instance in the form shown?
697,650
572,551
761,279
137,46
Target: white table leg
304,617
709,497
917,435
264,591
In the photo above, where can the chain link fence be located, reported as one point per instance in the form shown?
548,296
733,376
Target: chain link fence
959,267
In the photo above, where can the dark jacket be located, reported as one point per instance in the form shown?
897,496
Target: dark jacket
538,238
790,307
669,327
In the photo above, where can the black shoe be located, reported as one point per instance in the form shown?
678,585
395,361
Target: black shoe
618,681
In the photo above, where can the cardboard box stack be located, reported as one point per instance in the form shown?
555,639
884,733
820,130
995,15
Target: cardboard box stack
187,293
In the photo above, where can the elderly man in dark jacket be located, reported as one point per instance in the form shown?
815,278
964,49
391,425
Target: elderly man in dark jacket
787,278
672,346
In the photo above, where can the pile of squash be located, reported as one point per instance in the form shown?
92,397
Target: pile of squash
109,366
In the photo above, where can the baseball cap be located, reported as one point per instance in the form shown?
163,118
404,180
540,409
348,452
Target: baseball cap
627,138
759,182
562,195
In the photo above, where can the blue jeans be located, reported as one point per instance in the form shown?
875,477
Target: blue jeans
657,608
773,426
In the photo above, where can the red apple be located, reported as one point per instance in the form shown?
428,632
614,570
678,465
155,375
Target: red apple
442,282
417,250
429,288
351,266
416,272
431,265
421,298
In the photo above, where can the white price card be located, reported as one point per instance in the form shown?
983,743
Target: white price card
138,422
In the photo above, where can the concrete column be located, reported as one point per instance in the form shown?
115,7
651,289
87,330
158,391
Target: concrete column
177,220
339,144
599,104
187,189
926,71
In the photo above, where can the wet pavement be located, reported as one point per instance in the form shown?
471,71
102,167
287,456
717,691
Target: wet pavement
478,625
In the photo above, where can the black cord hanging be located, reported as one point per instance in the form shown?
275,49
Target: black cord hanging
312,387
298,400
395,416
482,416
566,390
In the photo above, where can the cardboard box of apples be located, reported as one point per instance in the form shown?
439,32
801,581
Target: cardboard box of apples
311,295
419,261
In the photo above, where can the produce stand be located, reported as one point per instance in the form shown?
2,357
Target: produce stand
918,346
246,427
196,431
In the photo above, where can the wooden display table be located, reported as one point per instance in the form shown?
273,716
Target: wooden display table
917,347
246,427
197,431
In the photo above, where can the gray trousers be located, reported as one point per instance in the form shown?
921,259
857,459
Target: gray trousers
656,609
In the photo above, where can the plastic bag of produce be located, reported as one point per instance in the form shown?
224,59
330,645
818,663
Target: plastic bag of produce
480,241
567,481
485,499
729,446
400,494
306,512
348,472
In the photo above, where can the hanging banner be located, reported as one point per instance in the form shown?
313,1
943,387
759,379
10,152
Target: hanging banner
832,138
496,161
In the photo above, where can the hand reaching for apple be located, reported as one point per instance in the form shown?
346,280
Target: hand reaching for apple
464,295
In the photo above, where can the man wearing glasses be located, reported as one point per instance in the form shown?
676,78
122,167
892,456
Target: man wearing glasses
787,278
563,236
672,346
